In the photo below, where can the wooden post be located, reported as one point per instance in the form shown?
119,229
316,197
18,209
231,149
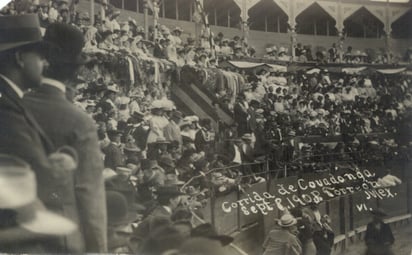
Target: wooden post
92,12
315,29
163,9
266,23
146,19
228,18
278,24
122,4
177,10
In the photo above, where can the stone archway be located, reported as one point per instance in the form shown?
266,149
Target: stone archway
267,16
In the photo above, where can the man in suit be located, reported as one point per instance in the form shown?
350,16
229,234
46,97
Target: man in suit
21,66
113,152
83,194
240,114
379,237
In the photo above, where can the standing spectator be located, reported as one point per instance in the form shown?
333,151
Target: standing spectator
324,238
283,239
204,139
83,196
378,237
172,130
241,114
113,152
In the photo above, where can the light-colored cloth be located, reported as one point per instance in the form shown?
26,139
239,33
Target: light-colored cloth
389,181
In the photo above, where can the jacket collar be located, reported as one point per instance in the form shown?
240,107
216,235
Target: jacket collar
13,86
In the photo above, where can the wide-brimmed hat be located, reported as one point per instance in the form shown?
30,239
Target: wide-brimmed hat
130,147
287,220
161,140
68,41
172,180
20,30
208,231
378,212
118,211
113,88
18,194
166,161
247,136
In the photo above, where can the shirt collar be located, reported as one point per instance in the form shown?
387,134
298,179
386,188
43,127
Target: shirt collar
13,85
54,83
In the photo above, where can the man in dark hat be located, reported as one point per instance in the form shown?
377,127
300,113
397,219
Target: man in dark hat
21,67
66,124
378,237
113,153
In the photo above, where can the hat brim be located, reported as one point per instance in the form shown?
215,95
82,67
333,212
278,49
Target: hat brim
40,46
48,223
294,222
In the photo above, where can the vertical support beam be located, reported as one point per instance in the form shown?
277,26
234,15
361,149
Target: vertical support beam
122,4
190,10
102,12
327,28
315,29
163,9
228,18
215,16
137,6
244,19
177,10
156,11
146,19
92,12
278,24
340,28
388,31
266,23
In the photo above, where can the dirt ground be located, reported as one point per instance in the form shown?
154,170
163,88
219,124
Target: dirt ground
402,246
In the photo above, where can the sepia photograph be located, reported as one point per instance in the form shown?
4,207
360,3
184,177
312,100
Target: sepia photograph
206,127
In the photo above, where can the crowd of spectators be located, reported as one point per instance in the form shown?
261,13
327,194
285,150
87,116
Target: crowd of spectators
163,165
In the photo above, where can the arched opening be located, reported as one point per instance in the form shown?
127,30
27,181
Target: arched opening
314,20
268,16
402,27
223,13
363,24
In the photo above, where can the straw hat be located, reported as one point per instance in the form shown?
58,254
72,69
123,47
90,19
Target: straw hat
287,220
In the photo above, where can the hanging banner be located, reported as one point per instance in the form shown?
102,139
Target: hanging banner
391,71
351,70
